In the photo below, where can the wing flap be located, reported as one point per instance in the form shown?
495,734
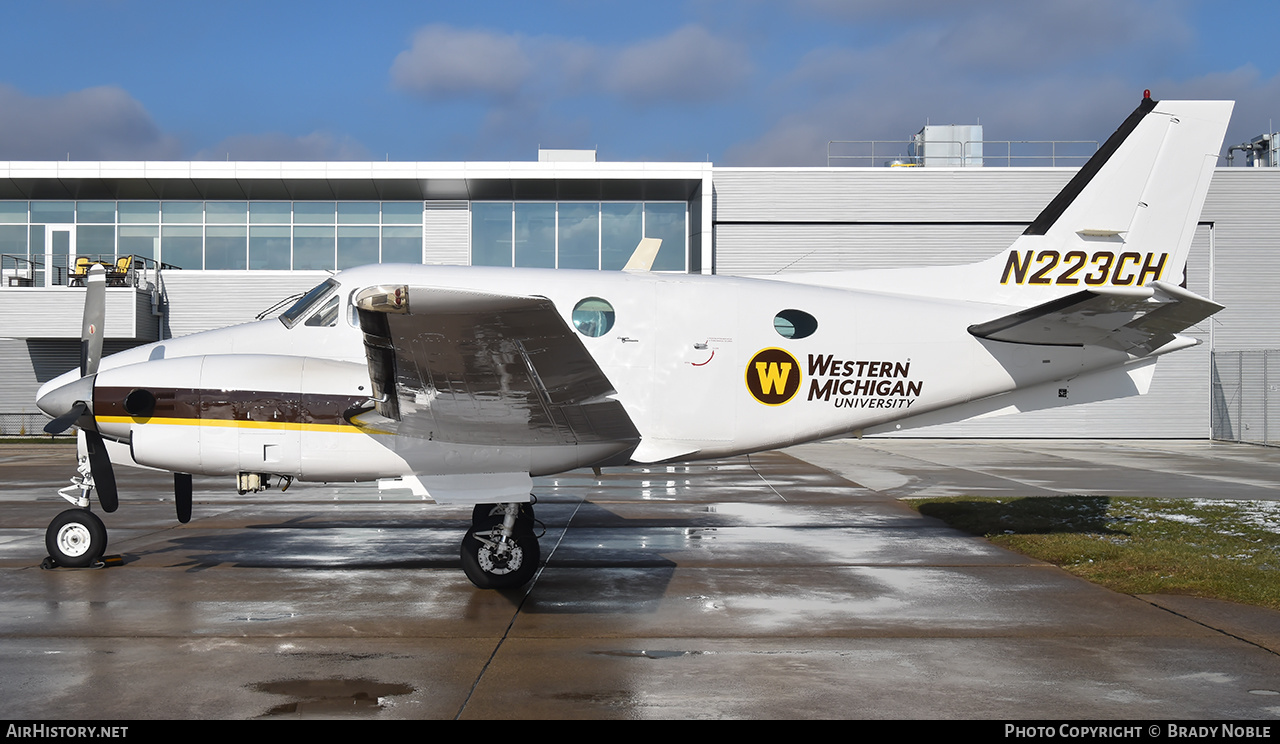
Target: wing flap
472,367
1136,320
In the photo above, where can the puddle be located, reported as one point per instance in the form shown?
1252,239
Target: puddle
650,654
330,697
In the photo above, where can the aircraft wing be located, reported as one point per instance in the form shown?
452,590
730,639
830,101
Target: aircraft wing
471,367
1137,320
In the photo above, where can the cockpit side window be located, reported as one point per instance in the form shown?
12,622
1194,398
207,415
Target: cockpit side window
327,316
309,300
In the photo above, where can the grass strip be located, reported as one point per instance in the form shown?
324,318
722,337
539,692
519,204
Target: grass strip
1201,547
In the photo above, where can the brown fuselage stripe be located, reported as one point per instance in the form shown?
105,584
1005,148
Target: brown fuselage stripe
235,405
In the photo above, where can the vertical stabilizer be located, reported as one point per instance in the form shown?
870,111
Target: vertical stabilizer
1128,216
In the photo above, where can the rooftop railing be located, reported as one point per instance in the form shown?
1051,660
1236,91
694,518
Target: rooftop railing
139,272
1009,153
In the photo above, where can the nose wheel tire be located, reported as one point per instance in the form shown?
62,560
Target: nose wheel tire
493,564
76,538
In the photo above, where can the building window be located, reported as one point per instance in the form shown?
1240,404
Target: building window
491,234
226,246
357,246
535,235
578,231
577,235
225,235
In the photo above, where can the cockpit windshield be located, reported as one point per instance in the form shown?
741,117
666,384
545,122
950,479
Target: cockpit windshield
309,301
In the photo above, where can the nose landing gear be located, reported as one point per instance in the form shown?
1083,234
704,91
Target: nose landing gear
76,538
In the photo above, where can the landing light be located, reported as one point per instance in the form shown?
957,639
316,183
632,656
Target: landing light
384,299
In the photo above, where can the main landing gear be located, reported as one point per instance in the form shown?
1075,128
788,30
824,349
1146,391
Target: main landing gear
500,551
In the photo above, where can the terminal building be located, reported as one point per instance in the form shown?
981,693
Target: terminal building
200,245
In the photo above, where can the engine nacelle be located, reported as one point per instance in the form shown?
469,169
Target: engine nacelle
225,414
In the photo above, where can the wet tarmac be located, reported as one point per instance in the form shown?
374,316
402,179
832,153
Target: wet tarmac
782,585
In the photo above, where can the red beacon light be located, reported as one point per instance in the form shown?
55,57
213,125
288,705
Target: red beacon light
1146,93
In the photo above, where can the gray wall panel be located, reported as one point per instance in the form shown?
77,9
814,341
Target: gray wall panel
202,300
885,194
1246,262
26,365
755,250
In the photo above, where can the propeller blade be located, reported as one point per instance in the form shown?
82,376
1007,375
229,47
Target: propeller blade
104,478
95,314
182,496
65,421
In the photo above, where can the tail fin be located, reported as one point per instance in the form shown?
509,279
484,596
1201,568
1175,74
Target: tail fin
1126,219
1128,216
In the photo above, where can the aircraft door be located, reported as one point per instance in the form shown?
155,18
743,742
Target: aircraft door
696,367
624,351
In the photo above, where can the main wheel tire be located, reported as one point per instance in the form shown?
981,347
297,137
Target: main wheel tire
487,570
76,538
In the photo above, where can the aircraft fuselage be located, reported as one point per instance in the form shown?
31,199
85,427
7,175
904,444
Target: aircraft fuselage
697,363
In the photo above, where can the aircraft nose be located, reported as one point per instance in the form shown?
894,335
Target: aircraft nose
59,401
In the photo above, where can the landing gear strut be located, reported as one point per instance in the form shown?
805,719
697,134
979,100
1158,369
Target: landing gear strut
500,550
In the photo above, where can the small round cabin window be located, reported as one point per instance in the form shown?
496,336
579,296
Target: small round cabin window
593,317
795,324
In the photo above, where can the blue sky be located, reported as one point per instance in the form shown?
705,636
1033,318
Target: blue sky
739,82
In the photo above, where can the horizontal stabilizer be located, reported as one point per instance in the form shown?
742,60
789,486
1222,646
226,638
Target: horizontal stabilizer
1108,384
1137,320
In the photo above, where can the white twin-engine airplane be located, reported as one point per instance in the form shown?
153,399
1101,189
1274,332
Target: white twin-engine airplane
463,382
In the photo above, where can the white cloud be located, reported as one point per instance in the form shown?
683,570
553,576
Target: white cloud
107,123
448,62
687,65
102,123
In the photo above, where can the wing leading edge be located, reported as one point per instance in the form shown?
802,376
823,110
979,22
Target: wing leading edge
1136,320
470,367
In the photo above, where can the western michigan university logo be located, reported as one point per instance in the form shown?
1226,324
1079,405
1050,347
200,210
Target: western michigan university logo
773,376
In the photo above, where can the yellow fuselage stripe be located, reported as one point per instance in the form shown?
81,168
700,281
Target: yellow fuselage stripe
276,425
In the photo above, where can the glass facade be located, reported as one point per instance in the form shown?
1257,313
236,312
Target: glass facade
331,235
227,235
577,235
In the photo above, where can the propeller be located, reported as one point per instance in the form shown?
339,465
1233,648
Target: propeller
75,400
95,314
65,421
182,496
104,478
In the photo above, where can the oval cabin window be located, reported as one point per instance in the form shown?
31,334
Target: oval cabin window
795,324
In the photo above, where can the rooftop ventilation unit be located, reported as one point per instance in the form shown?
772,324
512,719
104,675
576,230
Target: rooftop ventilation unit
1262,151
949,145
566,156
